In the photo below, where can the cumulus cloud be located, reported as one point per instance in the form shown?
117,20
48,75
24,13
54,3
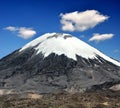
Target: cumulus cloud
101,37
22,32
26,32
81,21
11,28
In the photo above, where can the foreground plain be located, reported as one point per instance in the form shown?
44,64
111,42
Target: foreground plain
98,99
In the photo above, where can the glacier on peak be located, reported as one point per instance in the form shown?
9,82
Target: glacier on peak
70,46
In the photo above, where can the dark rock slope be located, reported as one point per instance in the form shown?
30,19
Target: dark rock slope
25,71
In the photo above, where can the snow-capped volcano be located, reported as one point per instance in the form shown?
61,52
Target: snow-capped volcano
56,62
66,44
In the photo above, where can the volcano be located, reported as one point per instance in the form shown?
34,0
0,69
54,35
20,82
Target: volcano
56,62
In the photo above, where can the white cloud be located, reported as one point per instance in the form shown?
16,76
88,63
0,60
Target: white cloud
82,36
22,32
116,51
101,37
81,21
11,28
26,32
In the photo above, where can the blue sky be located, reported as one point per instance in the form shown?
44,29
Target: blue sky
95,22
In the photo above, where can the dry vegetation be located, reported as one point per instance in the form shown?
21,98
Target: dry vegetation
104,99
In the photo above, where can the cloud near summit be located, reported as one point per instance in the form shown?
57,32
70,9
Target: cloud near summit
101,37
81,21
22,32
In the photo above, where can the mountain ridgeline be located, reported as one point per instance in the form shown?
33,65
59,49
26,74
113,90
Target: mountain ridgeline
56,62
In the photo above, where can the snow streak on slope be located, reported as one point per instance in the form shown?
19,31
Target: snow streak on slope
65,44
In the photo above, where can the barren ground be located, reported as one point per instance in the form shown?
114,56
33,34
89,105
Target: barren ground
98,99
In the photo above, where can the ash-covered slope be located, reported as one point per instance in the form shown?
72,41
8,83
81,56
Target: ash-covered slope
56,62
